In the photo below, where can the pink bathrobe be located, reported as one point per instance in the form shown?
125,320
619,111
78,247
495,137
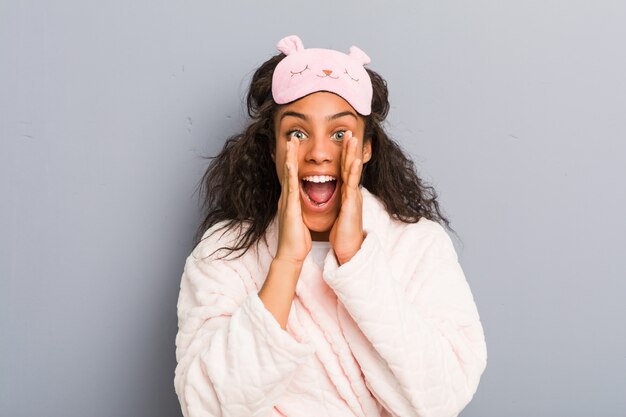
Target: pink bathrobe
392,332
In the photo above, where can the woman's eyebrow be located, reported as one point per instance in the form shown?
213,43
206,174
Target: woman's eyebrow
339,115
294,114
306,118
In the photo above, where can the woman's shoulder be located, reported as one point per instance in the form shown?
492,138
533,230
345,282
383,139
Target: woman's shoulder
427,236
421,234
218,238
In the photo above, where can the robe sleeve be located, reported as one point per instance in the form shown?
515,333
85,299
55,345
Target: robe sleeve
418,339
233,358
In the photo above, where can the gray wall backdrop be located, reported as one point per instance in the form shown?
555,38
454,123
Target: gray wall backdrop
515,111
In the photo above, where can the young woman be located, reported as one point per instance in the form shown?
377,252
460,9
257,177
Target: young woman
324,284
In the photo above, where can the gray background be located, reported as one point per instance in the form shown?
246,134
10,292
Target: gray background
513,110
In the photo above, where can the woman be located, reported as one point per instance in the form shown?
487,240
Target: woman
324,283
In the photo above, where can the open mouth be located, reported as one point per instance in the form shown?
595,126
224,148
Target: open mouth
318,189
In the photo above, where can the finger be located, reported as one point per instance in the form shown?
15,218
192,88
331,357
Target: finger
346,156
355,173
344,148
292,183
294,186
286,168
284,181
292,153
352,154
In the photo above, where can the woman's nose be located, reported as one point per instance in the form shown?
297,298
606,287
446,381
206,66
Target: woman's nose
319,150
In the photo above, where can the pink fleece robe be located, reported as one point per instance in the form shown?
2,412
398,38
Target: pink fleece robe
393,332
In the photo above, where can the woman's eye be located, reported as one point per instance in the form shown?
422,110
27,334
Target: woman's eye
338,136
296,134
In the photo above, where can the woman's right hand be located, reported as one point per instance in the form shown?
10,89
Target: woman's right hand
294,238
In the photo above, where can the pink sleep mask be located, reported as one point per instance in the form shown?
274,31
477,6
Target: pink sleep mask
305,71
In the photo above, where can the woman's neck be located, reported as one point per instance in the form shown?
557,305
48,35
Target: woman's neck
320,236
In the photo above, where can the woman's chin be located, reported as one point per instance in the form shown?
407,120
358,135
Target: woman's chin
319,226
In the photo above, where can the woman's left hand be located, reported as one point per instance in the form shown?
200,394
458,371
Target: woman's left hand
346,235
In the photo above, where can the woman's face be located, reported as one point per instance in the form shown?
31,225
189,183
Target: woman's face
319,122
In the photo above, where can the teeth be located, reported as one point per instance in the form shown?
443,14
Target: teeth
319,178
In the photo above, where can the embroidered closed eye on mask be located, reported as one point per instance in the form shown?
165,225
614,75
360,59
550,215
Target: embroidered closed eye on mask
305,71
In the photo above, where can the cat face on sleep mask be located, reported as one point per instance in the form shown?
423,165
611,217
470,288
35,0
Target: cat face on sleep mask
305,71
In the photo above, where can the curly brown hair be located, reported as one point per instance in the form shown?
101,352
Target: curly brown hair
241,187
